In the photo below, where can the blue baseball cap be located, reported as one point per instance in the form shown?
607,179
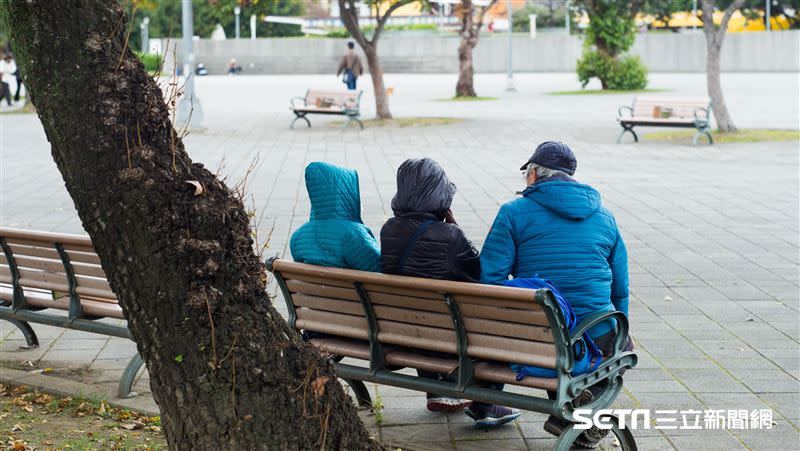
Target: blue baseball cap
553,155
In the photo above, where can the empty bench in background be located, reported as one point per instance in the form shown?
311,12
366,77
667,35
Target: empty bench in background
57,280
342,103
383,319
667,112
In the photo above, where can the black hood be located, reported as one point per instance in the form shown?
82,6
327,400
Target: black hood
422,187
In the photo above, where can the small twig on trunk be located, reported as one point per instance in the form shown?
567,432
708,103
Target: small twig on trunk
128,148
213,333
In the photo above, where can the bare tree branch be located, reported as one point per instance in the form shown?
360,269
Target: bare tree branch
349,16
382,20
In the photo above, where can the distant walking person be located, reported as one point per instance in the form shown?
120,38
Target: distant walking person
6,68
13,69
350,66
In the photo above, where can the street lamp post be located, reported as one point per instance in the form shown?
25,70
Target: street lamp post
189,109
253,26
510,79
694,13
144,27
767,13
237,10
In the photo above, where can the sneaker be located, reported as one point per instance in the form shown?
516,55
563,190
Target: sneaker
447,404
554,426
488,416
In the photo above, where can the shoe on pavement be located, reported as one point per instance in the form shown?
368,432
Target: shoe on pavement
489,416
447,404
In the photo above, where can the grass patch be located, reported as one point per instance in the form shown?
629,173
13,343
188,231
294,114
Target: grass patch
466,99
403,122
590,92
740,136
33,420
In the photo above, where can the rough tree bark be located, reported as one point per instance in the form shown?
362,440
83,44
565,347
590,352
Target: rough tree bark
470,33
349,15
714,37
225,369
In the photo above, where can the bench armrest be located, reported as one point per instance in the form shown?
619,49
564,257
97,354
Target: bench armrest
625,107
594,319
293,106
705,113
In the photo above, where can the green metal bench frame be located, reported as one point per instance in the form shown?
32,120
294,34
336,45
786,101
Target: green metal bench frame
569,387
353,113
19,313
701,124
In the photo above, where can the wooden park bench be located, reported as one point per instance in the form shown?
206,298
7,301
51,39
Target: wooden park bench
382,319
56,280
343,103
667,112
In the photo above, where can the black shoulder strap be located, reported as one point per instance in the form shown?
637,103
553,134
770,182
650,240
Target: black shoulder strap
412,242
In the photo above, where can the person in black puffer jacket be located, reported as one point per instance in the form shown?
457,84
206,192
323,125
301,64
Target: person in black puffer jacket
422,214
423,240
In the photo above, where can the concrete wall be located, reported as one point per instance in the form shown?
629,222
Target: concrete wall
549,52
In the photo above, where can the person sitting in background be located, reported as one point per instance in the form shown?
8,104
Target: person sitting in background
233,67
558,230
424,240
335,235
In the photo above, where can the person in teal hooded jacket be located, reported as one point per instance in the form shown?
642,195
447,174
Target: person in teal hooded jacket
335,235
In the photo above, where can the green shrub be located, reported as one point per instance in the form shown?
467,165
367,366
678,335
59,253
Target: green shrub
622,73
151,61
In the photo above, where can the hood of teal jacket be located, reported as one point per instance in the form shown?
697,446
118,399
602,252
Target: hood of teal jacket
333,192
567,199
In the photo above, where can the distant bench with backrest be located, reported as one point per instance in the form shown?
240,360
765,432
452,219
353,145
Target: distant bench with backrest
62,273
384,319
344,103
667,112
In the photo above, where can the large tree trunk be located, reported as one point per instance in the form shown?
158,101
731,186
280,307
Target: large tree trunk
724,121
714,39
466,71
376,73
225,369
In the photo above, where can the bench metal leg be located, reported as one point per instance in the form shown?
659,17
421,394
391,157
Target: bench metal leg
128,376
701,132
626,128
361,392
300,116
623,436
27,331
353,119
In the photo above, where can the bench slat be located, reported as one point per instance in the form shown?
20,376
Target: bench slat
322,290
430,338
483,370
532,314
50,252
48,237
372,281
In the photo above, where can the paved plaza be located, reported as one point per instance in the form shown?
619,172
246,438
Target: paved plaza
712,232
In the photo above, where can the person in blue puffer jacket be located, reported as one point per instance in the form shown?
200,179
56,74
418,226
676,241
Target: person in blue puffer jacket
558,230
335,235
